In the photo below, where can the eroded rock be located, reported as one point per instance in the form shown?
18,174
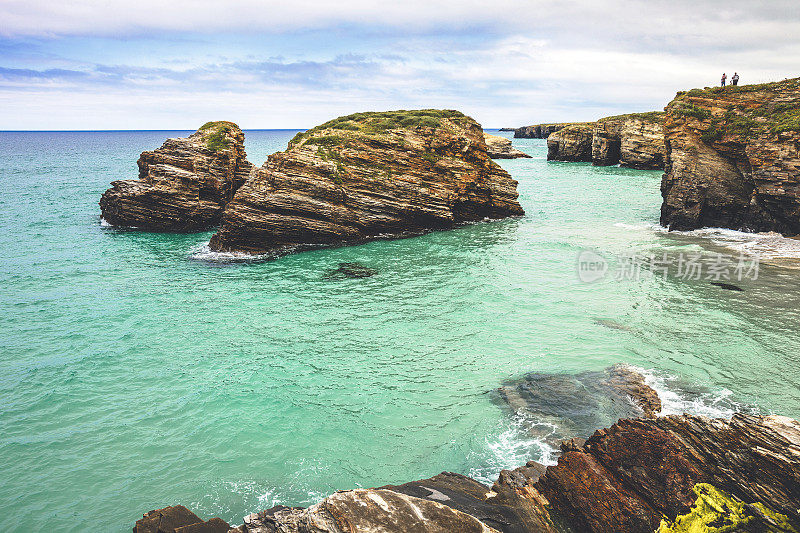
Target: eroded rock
733,159
634,140
367,175
500,148
571,143
183,185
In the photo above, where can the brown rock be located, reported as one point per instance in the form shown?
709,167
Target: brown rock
367,175
538,131
500,148
635,140
184,185
571,143
733,159
166,520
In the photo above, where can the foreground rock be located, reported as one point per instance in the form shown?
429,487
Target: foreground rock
367,175
178,519
635,140
500,148
184,185
733,159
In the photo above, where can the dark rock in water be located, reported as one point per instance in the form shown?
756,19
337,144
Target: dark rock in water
351,270
562,406
215,525
184,185
727,286
627,477
501,508
166,520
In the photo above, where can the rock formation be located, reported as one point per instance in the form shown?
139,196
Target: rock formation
178,519
500,148
366,175
184,185
571,143
635,140
733,159
538,131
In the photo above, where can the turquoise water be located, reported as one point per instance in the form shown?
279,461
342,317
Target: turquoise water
136,372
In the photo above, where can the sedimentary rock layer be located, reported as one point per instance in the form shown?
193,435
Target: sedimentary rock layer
365,175
500,148
733,158
538,131
571,143
184,185
635,140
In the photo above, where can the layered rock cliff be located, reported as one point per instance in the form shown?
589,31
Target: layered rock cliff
500,148
571,143
184,185
733,158
671,473
365,175
538,131
635,140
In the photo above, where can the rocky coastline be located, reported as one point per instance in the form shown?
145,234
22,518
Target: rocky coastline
500,148
733,159
643,473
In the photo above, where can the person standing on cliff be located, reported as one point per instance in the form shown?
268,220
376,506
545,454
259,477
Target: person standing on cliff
724,77
735,79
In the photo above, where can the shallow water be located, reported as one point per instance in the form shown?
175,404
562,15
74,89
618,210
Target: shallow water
136,373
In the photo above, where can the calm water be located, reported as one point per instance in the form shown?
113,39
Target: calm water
136,374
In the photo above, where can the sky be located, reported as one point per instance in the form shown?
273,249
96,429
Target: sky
155,64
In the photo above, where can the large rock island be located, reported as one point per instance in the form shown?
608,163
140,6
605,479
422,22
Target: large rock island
184,185
365,175
733,159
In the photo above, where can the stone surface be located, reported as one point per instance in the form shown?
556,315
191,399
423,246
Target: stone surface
538,131
627,477
166,520
635,140
184,185
366,511
214,525
365,176
733,159
500,148
571,143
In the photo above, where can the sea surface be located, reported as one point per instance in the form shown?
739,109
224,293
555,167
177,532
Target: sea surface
139,370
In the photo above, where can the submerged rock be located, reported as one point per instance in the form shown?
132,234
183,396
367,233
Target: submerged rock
500,148
351,270
727,286
571,143
733,159
184,185
366,175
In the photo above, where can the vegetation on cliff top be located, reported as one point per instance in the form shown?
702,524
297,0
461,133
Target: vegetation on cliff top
715,511
380,122
647,116
217,134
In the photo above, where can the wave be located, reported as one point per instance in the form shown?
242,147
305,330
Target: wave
766,245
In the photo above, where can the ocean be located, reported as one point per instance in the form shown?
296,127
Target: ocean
140,370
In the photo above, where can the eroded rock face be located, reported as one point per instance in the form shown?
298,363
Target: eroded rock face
635,140
733,159
365,175
500,148
184,185
365,511
538,131
625,478
571,143
178,519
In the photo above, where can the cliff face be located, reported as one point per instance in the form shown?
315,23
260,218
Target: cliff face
733,158
363,175
184,185
538,131
571,143
635,140
500,148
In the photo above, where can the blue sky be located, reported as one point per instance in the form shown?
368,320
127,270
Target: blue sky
264,64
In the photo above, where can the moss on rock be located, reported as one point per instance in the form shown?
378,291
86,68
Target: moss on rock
715,511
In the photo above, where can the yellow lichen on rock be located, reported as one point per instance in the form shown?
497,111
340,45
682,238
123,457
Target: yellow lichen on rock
715,511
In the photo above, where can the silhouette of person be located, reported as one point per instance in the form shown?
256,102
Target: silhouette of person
724,77
735,79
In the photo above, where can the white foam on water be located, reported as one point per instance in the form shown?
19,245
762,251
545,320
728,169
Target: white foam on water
205,253
104,223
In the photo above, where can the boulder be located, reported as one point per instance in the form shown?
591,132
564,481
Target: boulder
184,185
571,143
733,159
500,148
367,176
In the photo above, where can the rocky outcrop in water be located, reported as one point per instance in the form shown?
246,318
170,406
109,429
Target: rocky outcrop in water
184,185
635,140
500,148
178,519
733,159
538,131
571,143
367,175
